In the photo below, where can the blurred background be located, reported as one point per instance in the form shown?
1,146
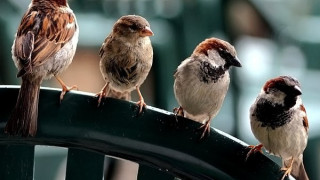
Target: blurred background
272,38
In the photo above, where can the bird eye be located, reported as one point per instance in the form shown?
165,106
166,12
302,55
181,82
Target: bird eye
133,27
224,53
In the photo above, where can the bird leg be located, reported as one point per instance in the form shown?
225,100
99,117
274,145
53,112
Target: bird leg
103,93
206,129
141,102
287,170
65,88
178,111
254,149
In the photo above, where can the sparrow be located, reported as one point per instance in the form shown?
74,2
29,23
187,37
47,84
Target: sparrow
126,58
279,121
202,80
44,46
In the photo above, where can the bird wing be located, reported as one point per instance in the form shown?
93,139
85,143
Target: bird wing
41,35
105,46
121,65
305,121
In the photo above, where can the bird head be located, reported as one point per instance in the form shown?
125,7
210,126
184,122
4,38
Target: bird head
220,52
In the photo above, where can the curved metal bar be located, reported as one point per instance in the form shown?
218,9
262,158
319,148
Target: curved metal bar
154,138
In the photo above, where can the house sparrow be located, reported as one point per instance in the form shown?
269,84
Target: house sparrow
126,58
44,46
202,80
279,121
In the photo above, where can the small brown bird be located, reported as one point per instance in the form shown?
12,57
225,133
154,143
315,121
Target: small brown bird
202,80
44,46
126,58
279,121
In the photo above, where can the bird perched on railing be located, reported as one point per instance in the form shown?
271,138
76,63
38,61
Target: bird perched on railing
44,46
202,81
126,58
279,121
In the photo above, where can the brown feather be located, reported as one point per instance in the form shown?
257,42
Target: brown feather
271,83
212,43
23,121
305,121
44,30
50,34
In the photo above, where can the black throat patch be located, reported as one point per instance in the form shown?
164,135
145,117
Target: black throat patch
208,73
272,115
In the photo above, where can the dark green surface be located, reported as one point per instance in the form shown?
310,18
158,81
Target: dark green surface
153,138
146,172
16,162
311,158
84,165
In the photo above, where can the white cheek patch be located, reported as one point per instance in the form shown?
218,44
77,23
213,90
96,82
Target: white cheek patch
276,97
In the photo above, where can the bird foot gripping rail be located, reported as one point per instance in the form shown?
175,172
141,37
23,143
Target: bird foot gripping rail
155,139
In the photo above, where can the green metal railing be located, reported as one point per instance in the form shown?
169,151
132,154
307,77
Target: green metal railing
155,139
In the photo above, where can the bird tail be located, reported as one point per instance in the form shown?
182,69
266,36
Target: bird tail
23,120
298,170
119,95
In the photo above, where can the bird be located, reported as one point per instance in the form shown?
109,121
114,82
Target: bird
44,46
279,121
126,58
202,80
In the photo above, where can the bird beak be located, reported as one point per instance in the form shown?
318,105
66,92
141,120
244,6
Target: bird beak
146,31
297,90
236,62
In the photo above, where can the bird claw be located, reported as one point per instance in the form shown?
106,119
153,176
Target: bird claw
254,149
287,170
103,93
66,89
100,95
178,112
141,104
286,173
206,129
